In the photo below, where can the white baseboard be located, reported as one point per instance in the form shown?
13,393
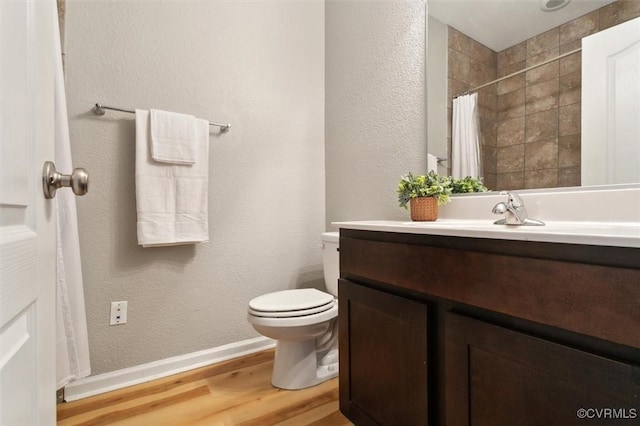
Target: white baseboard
94,385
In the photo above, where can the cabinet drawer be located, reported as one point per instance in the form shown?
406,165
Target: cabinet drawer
595,300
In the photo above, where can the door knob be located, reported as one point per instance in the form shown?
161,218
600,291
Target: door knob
78,180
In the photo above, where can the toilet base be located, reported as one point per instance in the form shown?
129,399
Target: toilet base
296,365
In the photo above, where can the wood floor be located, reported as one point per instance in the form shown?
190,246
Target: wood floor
235,392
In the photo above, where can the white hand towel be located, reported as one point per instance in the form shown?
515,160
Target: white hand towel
171,199
173,137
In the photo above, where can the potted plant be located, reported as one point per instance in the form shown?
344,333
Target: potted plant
467,185
424,193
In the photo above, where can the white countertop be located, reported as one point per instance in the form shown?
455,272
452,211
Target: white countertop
619,234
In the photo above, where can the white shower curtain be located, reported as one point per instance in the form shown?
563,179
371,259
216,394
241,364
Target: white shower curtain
465,138
72,344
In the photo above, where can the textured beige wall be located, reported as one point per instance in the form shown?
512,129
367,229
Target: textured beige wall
375,105
437,121
258,65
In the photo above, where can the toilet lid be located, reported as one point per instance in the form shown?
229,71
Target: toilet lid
304,301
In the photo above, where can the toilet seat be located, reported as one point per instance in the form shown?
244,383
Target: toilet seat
291,303
294,321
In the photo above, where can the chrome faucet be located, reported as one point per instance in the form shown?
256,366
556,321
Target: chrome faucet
515,213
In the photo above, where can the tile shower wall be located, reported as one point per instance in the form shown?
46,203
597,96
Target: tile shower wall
471,64
531,122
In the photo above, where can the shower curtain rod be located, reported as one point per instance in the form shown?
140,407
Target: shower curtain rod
475,89
99,110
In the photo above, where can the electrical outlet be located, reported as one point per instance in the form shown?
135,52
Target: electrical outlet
118,313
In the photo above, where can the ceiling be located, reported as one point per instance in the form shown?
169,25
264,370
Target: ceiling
499,24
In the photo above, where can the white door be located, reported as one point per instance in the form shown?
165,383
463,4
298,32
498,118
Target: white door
27,220
611,105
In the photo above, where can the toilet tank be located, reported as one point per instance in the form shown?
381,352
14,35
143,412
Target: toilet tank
331,261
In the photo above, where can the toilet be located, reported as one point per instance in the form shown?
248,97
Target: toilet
304,323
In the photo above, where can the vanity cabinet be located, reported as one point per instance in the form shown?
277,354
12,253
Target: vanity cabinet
454,331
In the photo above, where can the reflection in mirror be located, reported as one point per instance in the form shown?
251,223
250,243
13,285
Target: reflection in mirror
530,122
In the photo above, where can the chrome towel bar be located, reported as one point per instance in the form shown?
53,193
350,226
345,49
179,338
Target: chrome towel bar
99,109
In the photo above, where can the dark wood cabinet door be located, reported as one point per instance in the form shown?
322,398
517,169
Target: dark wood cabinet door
383,357
496,376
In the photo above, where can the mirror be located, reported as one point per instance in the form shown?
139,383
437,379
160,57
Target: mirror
530,122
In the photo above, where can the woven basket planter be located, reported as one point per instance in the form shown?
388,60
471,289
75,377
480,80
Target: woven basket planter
424,208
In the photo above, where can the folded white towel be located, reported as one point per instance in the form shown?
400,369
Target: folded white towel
171,199
173,137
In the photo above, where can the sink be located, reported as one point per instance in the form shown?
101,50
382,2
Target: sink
591,228
623,234
451,223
